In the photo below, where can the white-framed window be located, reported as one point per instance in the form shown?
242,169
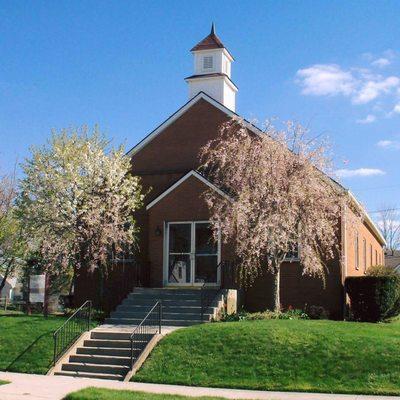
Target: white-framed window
365,255
208,62
356,253
370,254
294,255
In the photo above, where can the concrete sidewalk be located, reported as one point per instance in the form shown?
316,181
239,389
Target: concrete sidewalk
41,387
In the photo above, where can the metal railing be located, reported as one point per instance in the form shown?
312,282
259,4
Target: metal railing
144,332
208,292
67,334
227,272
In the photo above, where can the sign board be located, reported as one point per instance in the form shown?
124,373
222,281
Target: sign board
37,288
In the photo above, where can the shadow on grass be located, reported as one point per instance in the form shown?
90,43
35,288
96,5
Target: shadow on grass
31,352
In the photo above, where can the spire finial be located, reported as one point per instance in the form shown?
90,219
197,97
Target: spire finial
212,29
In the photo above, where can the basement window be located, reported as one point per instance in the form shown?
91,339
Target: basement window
208,62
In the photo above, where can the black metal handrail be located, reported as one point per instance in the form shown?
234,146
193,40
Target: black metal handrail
67,334
145,331
207,293
227,272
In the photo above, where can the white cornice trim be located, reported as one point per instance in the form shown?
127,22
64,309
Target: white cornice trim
183,179
180,112
368,219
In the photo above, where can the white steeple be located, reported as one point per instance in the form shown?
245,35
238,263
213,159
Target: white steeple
212,71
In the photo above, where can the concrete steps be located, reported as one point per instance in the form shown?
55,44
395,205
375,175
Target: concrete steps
106,351
105,355
181,307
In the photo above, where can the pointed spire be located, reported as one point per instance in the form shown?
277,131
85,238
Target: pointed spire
212,41
212,29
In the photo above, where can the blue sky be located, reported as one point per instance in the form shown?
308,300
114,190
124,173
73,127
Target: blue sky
333,66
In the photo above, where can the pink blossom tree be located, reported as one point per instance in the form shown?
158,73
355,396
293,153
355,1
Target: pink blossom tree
283,201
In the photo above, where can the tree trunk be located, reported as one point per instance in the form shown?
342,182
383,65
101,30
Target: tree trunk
3,281
46,296
277,297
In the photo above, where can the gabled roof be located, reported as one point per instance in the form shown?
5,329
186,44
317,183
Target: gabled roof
195,174
180,112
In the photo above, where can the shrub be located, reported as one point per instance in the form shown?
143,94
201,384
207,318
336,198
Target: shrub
263,315
380,270
373,298
317,312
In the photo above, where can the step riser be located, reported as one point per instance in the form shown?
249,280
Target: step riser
164,297
166,316
151,301
107,343
102,369
165,292
100,360
89,375
117,335
134,322
105,351
166,308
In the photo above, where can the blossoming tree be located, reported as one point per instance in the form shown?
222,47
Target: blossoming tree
77,200
11,243
282,200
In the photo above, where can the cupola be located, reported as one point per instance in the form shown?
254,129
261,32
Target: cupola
212,71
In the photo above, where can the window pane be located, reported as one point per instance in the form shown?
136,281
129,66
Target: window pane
206,269
205,243
179,238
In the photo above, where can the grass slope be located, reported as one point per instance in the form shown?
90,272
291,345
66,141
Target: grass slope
289,355
26,343
107,394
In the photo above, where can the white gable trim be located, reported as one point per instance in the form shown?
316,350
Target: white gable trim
368,219
183,179
180,112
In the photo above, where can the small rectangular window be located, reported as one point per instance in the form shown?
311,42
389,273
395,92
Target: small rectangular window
208,62
370,254
365,255
356,253
376,257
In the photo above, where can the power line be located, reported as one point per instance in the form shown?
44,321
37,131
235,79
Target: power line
377,187
387,209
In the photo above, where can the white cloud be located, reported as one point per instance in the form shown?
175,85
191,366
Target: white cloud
371,89
325,80
396,109
360,172
360,85
388,144
381,62
367,120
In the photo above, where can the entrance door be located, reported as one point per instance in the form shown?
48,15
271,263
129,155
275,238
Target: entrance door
191,254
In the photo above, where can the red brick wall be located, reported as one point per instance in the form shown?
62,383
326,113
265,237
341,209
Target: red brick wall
169,156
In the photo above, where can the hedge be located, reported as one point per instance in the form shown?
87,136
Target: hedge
373,298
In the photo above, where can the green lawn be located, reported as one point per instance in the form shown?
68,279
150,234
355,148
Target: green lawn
106,394
289,355
26,343
3,382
